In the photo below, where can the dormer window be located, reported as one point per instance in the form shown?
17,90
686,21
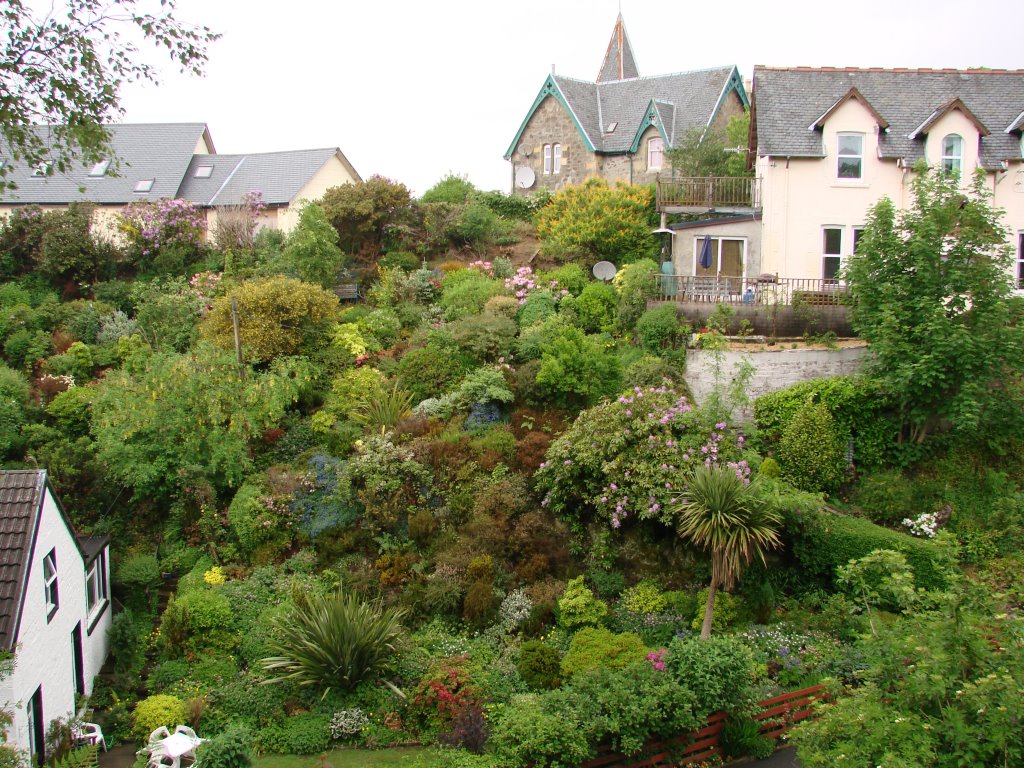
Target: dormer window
655,154
204,171
952,153
850,156
144,185
100,169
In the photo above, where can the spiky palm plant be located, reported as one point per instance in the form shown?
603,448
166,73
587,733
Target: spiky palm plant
334,640
383,408
719,513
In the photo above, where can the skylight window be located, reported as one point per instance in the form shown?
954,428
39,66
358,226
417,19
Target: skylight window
42,169
100,169
204,171
144,185
610,128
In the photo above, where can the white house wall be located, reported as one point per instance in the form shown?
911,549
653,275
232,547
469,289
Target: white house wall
44,655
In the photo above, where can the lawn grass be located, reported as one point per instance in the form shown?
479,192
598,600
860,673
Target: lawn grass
343,758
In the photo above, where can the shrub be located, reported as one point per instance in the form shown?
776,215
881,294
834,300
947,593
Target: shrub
433,369
719,671
207,612
600,648
659,328
822,542
333,641
742,737
469,729
653,371
539,665
138,571
570,277
260,520
636,283
480,606
596,308
366,213
727,611
165,236
156,711
527,734
603,221
578,369
306,734
812,452
539,306
645,597
466,292
578,606
769,468
380,325
232,748
485,336
348,723
311,252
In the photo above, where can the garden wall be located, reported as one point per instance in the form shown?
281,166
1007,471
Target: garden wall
774,320
773,368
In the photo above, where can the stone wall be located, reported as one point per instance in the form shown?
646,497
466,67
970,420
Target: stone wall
772,320
773,369
552,124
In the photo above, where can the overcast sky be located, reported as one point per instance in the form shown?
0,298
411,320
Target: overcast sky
416,89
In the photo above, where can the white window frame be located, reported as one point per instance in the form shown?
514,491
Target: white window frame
96,594
716,252
51,593
655,153
100,168
1018,281
842,154
143,186
952,162
556,161
203,171
547,159
826,254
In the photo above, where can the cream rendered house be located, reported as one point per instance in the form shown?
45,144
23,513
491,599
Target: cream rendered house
178,160
830,143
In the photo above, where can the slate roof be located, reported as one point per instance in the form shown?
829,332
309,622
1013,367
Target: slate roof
278,175
619,62
788,101
21,499
158,151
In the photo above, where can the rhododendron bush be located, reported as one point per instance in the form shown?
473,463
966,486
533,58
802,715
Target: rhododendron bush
628,458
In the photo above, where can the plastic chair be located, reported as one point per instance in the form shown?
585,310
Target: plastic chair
89,733
163,760
187,731
158,735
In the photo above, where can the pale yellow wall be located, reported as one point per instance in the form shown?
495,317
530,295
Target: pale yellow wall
334,173
202,148
958,123
104,224
686,245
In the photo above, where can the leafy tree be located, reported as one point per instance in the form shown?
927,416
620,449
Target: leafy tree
929,288
311,252
167,312
720,512
332,641
187,416
603,222
65,67
277,316
713,152
366,213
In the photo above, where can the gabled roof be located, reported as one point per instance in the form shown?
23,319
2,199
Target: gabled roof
692,98
788,102
157,151
279,176
855,95
619,62
1016,125
21,499
945,109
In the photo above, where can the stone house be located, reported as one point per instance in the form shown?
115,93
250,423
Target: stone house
619,127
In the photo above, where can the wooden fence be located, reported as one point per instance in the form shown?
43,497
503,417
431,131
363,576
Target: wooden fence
758,291
777,715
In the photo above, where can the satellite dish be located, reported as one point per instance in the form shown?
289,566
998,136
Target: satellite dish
525,177
604,271
523,150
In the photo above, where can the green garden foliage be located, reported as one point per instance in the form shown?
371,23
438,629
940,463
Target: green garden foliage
577,606
812,451
823,542
432,370
602,222
596,308
311,252
366,213
654,371
466,291
636,283
188,417
930,288
302,734
68,252
538,307
331,641
486,337
167,312
156,711
859,406
540,665
14,400
277,316
659,328
570,277
578,370
231,748
599,648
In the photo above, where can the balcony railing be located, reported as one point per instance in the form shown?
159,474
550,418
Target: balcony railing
763,290
710,193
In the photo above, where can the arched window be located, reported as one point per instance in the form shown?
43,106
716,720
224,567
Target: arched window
952,153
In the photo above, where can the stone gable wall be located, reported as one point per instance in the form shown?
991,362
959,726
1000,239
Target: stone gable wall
552,124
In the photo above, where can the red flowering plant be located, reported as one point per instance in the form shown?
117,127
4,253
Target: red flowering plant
627,459
443,692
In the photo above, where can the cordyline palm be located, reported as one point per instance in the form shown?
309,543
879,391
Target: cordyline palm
333,640
383,409
720,513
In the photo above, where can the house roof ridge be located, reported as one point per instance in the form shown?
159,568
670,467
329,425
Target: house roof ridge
899,70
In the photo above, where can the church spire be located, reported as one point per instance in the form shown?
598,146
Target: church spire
619,62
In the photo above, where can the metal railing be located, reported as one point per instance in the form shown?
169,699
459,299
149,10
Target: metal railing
763,290
709,192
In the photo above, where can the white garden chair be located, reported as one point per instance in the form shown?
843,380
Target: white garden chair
88,733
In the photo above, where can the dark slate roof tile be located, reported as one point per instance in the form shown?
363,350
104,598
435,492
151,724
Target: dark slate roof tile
278,175
789,101
21,497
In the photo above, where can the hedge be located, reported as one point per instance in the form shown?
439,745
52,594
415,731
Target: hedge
827,541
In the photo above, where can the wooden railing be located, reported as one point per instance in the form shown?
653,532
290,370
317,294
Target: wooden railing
710,192
776,716
750,290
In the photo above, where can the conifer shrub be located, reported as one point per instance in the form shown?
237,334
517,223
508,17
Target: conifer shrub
812,452
540,665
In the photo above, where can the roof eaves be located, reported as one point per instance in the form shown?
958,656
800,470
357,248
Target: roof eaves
550,88
732,82
10,643
945,109
1016,125
651,117
853,93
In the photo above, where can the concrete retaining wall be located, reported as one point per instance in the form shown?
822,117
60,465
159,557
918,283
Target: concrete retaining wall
773,368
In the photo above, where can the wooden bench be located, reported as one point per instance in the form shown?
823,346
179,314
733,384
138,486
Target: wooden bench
347,291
